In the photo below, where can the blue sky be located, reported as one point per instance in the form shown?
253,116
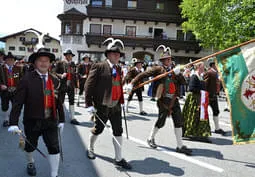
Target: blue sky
18,15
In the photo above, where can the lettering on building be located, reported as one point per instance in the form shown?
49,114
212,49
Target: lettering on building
76,1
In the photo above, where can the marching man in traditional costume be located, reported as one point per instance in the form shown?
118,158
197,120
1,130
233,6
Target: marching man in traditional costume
83,72
43,112
10,76
104,97
168,104
137,69
211,83
66,72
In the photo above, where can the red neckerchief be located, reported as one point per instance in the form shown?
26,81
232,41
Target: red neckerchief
117,91
10,78
69,73
49,96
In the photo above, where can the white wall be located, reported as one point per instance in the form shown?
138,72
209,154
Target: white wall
15,41
119,27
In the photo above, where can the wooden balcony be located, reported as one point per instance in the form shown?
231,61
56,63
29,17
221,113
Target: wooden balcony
133,14
145,42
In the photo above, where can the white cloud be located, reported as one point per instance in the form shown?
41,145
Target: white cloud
18,15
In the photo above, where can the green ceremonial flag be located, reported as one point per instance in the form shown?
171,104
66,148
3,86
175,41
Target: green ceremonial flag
237,69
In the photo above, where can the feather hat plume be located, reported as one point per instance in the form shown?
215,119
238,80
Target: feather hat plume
40,49
114,45
166,52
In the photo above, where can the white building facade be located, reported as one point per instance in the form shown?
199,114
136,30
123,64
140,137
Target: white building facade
141,25
22,44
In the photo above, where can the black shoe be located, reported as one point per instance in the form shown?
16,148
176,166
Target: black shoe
153,99
143,113
91,154
31,170
226,110
220,131
152,143
123,164
6,123
75,122
184,150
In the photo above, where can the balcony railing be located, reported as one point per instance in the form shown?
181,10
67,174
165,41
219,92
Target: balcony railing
133,14
145,42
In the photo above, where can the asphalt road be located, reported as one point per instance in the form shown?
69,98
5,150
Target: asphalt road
219,159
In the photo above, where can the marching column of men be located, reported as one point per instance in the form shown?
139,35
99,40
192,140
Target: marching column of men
43,111
10,76
168,104
83,71
132,73
104,97
212,85
66,72
42,93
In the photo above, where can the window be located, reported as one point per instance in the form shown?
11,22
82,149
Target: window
108,3
158,33
180,35
95,28
190,36
107,29
68,28
131,30
78,28
47,40
97,3
132,4
160,6
22,39
55,50
30,49
22,48
11,47
34,40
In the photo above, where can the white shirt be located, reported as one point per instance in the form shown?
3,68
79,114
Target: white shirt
46,78
8,67
111,64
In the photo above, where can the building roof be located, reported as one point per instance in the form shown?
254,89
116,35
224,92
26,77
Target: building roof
3,39
73,12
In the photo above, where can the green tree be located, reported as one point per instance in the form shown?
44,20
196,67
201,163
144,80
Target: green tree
219,23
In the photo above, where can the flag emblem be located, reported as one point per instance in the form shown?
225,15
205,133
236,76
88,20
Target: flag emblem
248,91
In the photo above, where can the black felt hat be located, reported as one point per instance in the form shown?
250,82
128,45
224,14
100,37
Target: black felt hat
39,53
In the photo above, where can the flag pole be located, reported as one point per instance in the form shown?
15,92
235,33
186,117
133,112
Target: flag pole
194,62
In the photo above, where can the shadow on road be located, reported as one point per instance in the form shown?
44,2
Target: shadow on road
207,153
214,140
150,166
247,164
86,124
222,141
